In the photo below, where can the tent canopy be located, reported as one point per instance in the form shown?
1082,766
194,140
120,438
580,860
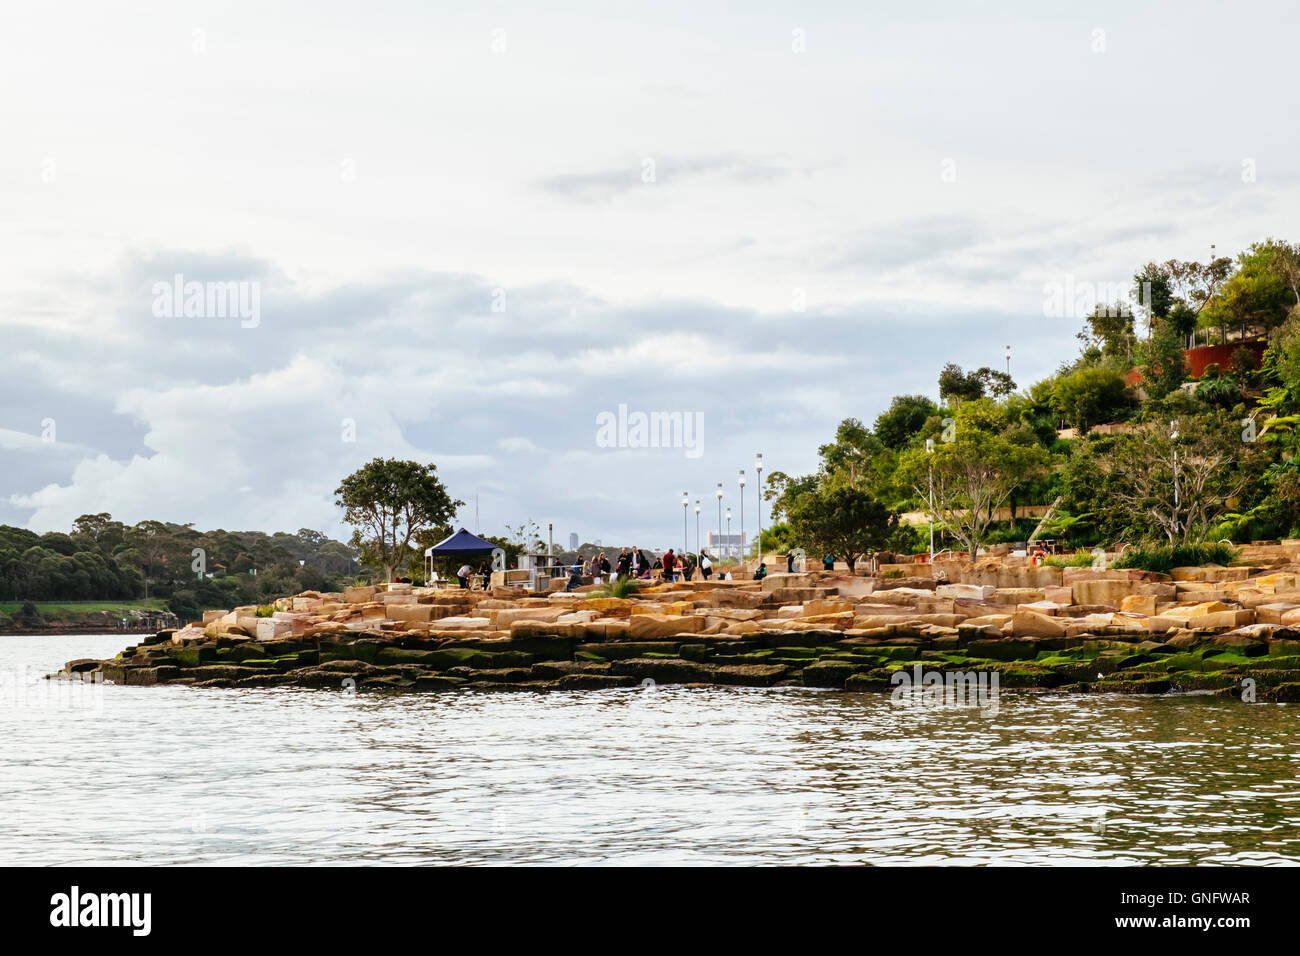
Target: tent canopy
462,542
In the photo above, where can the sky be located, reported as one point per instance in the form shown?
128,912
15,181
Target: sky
468,235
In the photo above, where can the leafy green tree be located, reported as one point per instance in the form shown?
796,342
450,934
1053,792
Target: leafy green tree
1153,290
973,475
844,521
1166,362
1089,396
1109,329
388,502
958,386
1173,479
905,417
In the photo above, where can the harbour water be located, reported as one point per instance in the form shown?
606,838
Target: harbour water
663,775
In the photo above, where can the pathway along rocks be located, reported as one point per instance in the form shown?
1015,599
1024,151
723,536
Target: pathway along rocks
1231,631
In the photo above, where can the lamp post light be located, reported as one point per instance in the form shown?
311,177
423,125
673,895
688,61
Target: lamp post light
719,494
929,450
1008,360
758,470
731,549
697,525
742,517
686,501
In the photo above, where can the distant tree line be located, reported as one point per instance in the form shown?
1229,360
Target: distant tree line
102,559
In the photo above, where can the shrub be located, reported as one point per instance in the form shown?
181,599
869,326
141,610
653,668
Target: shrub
1080,559
618,588
266,610
1164,558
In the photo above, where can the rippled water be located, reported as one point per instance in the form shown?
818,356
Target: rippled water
665,776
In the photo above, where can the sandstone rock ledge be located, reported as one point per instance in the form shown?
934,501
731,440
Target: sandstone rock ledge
1064,629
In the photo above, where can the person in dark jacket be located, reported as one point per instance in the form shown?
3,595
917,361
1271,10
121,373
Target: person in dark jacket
789,562
828,562
670,565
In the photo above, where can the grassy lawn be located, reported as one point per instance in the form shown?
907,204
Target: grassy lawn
59,608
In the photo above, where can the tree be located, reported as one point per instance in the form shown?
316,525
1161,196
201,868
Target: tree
904,418
969,386
1153,290
842,520
959,386
1166,362
388,502
1110,329
998,384
1258,295
146,545
854,455
1286,265
1089,396
973,475
1173,480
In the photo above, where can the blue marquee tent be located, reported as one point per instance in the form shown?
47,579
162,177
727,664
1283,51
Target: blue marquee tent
460,543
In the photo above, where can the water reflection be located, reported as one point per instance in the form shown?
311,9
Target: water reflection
670,775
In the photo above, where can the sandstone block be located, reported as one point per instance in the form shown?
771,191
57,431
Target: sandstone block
1110,592
1033,624
268,629
652,626
977,592
1139,604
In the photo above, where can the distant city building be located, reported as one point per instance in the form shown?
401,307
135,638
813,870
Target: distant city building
726,545
573,541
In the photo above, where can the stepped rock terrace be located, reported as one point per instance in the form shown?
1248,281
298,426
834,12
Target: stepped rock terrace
1233,631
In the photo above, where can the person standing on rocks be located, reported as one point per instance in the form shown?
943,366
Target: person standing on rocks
634,560
670,565
706,566
624,563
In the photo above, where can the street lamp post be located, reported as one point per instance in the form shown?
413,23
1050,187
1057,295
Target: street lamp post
686,501
929,450
742,517
731,549
697,525
719,494
758,470
1008,361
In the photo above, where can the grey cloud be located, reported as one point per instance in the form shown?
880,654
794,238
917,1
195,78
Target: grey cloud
602,185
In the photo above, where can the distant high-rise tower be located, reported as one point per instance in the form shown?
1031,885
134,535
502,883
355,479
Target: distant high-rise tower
573,541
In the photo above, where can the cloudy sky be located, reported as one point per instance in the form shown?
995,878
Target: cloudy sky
472,230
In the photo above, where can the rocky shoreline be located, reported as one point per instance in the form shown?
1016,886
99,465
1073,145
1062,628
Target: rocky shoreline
1227,631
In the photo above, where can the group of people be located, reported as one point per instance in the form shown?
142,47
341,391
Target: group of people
634,563
465,571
